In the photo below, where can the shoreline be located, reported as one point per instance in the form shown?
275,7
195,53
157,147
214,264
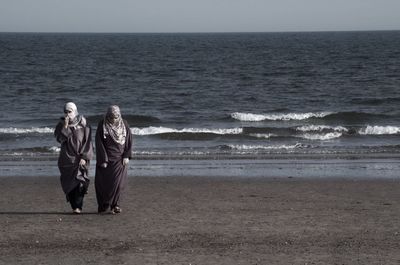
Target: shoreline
189,220
367,168
221,156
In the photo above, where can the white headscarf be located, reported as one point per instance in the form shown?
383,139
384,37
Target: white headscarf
114,126
74,117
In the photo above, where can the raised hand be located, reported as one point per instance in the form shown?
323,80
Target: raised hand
66,121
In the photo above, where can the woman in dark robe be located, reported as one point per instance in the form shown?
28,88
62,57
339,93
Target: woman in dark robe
113,151
74,134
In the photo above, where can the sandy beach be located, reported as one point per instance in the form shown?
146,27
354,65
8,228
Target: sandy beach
205,221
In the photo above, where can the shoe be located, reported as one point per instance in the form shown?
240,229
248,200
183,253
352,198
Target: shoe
77,211
117,209
106,212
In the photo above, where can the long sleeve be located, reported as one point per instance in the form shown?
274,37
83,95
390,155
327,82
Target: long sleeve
128,142
61,133
101,153
87,148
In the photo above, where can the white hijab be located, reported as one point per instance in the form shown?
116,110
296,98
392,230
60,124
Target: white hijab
74,117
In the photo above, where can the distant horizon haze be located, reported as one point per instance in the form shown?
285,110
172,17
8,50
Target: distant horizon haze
193,32
189,16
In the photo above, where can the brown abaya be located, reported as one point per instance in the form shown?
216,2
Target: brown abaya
110,180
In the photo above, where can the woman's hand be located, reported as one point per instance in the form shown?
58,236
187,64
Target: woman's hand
66,121
125,161
104,165
82,162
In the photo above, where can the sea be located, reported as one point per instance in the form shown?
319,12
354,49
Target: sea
295,104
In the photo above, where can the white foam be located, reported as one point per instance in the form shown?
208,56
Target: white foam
265,147
55,149
15,154
262,135
12,130
379,130
319,128
159,130
285,117
248,116
147,153
327,136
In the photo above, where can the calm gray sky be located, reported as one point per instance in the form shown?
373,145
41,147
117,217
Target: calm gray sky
197,15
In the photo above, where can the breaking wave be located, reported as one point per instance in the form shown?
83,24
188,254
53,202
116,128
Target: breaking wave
327,136
12,130
274,117
262,135
320,128
379,130
162,130
265,147
55,149
337,117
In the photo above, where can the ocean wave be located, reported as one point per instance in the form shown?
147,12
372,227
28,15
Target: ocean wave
355,117
320,128
12,130
262,135
274,117
15,154
163,130
54,149
137,153
265,147
375,101
31,151
379,130
346,117
135,120
171,153
327,136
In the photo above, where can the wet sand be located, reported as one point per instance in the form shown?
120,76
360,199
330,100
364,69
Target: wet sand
205,221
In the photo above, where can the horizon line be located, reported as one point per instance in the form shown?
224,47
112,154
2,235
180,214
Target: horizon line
191,32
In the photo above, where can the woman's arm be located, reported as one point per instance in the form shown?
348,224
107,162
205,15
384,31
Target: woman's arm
87,147
61,133
128,142
101,153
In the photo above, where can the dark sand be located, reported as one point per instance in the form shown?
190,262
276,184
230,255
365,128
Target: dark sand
205,221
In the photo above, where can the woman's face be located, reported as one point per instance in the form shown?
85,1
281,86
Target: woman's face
70,113
114,117
113,114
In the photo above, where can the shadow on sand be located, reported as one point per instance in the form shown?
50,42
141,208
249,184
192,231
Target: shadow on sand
45,213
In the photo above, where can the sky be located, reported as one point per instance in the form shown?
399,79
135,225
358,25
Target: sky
137,16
